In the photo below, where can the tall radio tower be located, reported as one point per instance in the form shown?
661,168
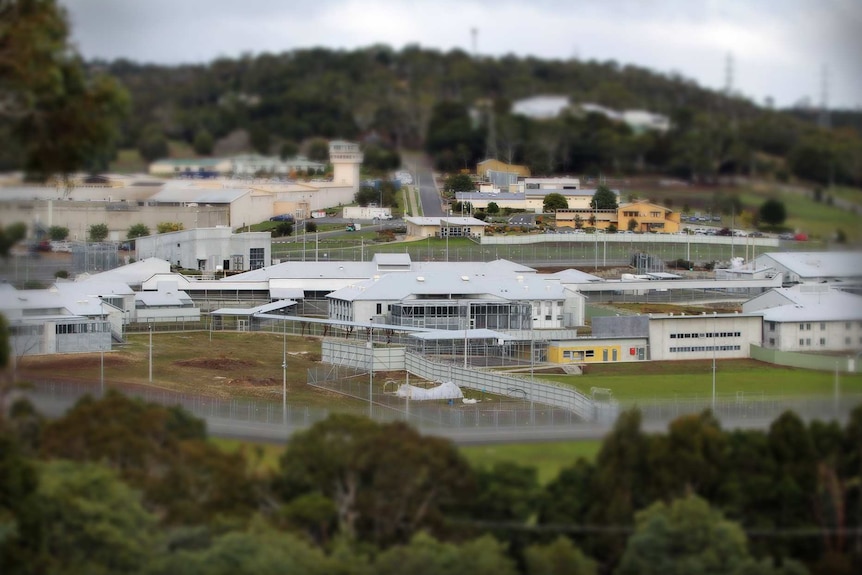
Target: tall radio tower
728,74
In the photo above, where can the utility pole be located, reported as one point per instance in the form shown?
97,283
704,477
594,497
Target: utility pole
284,371
371,368
151,352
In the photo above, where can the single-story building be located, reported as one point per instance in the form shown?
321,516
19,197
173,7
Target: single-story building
452,226
209,249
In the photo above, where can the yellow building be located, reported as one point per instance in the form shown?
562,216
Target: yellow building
647,217
597,350
483,167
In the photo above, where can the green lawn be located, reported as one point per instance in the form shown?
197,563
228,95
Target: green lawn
818,220
638,381
548,458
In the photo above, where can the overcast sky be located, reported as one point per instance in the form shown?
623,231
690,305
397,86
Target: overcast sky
778,47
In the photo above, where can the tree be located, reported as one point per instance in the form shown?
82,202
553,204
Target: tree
11,235
203,143
92,521
64,118
492,208
138,231
424,555
152,145
386,481
686,536
604,199
283,229
560,557
554,202
98,232
310,227
288,149
632,225
318,150
58,233
773,212
166,227
459,183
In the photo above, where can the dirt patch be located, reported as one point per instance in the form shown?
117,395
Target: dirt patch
253,381
216,363
72,362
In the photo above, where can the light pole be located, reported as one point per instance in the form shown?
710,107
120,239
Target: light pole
371,367
151,352
102,369
284,371
532,382
713,362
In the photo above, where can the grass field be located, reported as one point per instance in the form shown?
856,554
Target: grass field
547,457
641,381
243,365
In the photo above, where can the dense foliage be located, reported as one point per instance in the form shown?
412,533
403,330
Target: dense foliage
458,108
121,485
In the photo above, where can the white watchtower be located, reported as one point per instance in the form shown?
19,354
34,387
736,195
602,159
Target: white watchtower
345,157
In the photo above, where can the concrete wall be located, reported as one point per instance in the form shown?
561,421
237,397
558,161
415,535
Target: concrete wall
807,360
118,216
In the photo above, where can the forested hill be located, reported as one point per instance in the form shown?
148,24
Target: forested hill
445,101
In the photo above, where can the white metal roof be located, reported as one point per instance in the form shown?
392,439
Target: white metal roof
815,305
819,264
459,334
174,195
131,274
398,287
261,309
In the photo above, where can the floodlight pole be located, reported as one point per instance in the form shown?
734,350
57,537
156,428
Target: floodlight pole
532,356
102,369
151,352
713,362
284,371
371,368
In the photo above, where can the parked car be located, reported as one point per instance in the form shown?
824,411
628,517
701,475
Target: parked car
282,218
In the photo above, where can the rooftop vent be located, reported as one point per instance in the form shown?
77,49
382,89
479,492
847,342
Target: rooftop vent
465,278
420,278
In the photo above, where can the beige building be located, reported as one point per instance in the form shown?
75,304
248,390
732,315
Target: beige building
640,216
453,227
491,165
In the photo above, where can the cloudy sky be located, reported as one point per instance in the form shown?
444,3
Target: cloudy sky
779,47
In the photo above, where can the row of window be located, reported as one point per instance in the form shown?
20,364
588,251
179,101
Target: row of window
586,353
70,328
705,348
706,334
807,341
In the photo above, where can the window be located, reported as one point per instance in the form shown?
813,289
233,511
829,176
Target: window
379,308
801,341
771,341
822,341
255,258
772,326
807,341
590,353
822,326
547,318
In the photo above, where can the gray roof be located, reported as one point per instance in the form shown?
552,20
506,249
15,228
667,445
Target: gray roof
131,274
180,194
831,305
446,335
247,311
819,264
398,287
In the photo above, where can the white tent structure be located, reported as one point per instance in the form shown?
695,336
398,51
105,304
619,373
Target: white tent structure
446,390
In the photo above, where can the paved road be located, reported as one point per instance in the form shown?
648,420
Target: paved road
429,195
